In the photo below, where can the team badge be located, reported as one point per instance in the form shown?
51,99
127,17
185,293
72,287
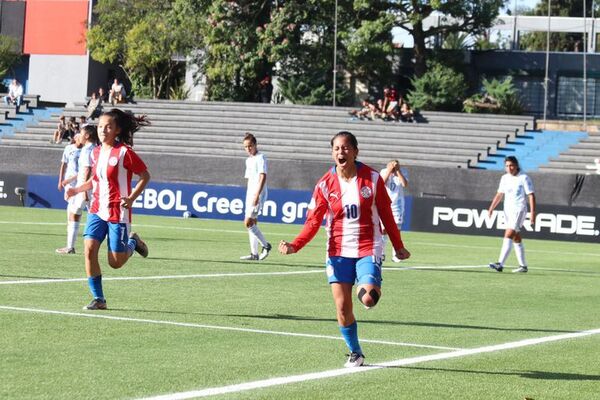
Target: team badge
366,192
113,161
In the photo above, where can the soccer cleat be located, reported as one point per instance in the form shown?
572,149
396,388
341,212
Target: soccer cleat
522,269
250,257
496,266
65,250
96,304
355,360
395,259
265,252
140,245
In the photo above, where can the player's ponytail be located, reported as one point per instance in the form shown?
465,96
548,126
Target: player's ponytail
92,132
128,123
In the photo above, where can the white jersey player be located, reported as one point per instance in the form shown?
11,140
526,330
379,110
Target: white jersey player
517,190
89,138
256,195
395,182
67,177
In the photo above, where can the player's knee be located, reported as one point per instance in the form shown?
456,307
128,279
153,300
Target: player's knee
369,298
116,262
249,222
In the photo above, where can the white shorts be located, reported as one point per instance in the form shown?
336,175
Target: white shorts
252,211
515,219
398,216
76,204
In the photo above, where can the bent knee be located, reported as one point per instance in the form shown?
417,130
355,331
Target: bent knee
369,297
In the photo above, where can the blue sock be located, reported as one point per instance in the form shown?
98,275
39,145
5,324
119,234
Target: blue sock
95,284
350,334
131,243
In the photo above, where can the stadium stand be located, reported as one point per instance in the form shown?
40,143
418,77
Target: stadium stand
578,159
215,128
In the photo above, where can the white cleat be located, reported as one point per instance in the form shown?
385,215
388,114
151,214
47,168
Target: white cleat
355,360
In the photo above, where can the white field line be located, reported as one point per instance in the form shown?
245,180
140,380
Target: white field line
219,275
214,327
346,371
432,244
159,277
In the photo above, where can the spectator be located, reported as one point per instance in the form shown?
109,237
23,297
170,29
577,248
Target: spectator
265,89
406,113
61,132
93,106
15,94
389,104
82,122
368,110
102,95
117,93
72,129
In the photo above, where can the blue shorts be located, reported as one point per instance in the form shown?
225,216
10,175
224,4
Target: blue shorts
365,270
118,233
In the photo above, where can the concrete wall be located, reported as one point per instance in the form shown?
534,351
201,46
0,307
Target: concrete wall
58,78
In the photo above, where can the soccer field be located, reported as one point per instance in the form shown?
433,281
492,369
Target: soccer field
192,320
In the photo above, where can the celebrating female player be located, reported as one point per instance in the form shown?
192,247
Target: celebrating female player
114,163
354,198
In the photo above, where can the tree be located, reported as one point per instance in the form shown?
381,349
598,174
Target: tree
559,41
232,61
9,54
144,37
457,16
300,40
439,89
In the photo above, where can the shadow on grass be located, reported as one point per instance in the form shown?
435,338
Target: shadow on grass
288,317
547,375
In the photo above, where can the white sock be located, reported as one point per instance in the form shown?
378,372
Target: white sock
253,242
505,250
261,238
520,253
72,230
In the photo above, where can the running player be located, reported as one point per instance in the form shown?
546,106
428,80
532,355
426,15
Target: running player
66,179
395,182
517,190
256,195
113,164
353,197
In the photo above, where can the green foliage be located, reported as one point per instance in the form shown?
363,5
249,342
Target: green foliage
180,92
9,54
313,90
439,89
456,41
144,38
499,97
232,61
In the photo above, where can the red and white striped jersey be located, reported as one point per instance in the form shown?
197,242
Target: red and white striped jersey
111,178
354,209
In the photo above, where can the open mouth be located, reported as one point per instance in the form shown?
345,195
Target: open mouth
342,161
